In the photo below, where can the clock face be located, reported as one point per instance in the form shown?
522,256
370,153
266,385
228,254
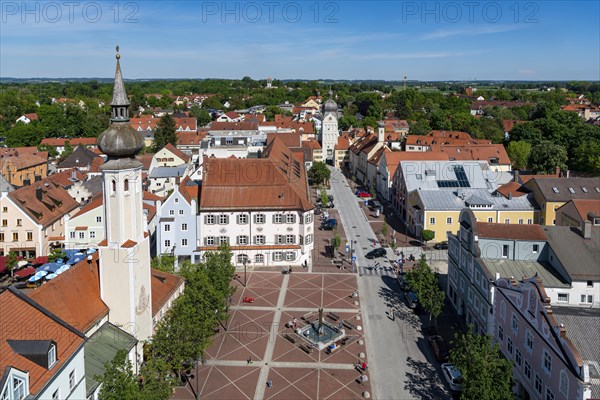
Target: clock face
143,301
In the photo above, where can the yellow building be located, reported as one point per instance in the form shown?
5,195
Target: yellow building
552,193
21,167
439,210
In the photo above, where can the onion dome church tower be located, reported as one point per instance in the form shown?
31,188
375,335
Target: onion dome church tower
125,252
329,128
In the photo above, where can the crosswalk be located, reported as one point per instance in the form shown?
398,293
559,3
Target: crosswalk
382,271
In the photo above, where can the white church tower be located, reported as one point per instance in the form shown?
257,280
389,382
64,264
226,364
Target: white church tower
125,255
329,128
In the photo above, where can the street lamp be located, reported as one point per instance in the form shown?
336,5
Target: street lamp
218,319
245,271
188,376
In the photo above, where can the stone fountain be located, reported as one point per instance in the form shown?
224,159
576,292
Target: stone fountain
320,333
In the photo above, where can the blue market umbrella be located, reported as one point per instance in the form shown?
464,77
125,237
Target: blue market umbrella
49,267
76,258
50,276
62,269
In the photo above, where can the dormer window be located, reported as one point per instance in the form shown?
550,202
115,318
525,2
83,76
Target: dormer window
52,356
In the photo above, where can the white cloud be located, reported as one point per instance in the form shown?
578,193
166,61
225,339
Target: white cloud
469,31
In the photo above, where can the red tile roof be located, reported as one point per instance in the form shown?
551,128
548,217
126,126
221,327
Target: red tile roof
144,123
55,142
186,124
343,143
177,152
233,126
493,153
55,202
164,285
584,207
64,178
22,319
74,295
290,139
190,138
277,181
512,188
510,231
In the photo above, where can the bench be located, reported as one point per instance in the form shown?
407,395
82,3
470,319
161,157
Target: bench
338,261
306,348
290,338
307,316
333,316
330,350
347,324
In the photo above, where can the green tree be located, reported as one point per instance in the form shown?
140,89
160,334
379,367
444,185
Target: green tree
23,135
427,235
118,381
57,254
67,151
52,152
546,156
518,152
201,115
384,230
12,262
424,282
319,173
324,197
271,111
164,262
587,157
420,127
165,133
526,132
335,242
487,375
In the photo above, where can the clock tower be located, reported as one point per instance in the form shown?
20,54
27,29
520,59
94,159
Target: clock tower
125,252
329,129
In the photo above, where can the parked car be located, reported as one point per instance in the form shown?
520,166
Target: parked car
363,194
329,224
441,246
439,347
376,253
452,376
411,299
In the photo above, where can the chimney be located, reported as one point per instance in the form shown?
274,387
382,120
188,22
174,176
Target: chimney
587,229
38,193
562,330
516,172
380,132
510,195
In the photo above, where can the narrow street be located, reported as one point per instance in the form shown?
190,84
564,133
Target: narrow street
399,367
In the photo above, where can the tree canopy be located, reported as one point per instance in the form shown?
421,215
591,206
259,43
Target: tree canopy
319,173
165,133
487,375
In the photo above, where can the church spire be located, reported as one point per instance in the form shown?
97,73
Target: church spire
120,140
119,95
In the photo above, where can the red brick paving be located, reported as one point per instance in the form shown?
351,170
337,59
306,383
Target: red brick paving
248,336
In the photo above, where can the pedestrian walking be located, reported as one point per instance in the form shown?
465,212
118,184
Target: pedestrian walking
249,360
290,270
269,383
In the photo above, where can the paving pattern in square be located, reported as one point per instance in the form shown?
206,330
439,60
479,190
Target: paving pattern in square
257,330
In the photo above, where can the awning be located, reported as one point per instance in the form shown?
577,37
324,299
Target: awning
22,273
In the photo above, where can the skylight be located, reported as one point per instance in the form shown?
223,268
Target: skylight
555,190
584,189
572,190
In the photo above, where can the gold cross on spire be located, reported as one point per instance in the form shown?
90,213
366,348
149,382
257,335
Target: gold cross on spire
118,55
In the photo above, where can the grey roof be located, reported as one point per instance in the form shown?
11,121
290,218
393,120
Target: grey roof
450,201
580,324
5,186
33,350
119,97
565,189
80,157
476,200
520,269
580,257
167,172
330,106
120,140
94,185
101,348
426,174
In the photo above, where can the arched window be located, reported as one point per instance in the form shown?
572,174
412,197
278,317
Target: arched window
114,186
259,258
241,258
564,383
126,185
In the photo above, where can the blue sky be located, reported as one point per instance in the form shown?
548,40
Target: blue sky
483,40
